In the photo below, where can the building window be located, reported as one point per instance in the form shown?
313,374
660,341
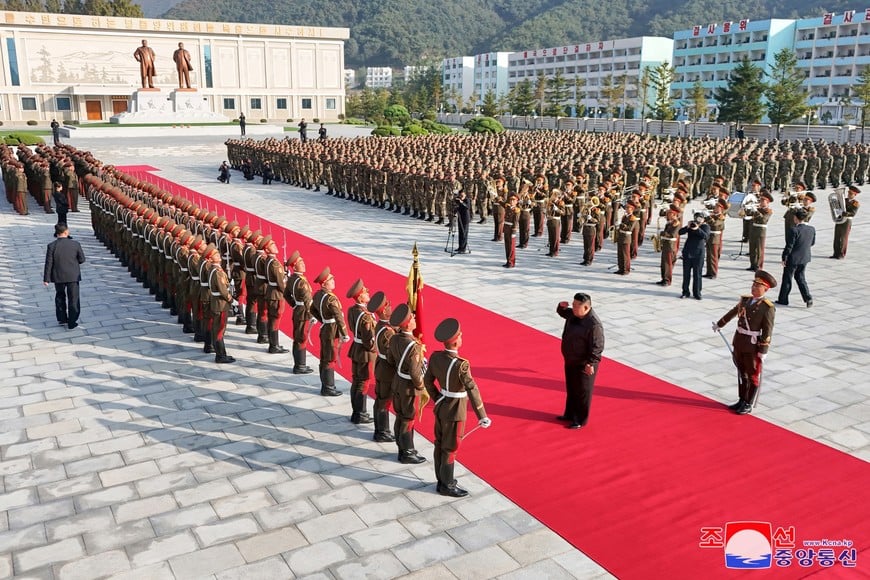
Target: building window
256,104
28,103
206,55
62,104
330,104
13,62
281,104
306,103
229,103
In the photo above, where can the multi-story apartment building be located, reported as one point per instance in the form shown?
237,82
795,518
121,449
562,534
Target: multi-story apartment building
708,53
833,51
490,75
457,81
349,78
379,77
596,64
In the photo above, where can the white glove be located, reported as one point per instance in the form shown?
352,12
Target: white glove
761,357
345,339
715,327
485,422
313,321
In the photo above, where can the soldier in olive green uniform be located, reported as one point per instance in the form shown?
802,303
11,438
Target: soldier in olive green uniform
362,351
298,294
842,229
456,385
380,307
326,308
219,304
405,354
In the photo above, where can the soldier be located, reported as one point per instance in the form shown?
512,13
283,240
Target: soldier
589,229
498,201
453,375
276,280
623,240
380,307
219,305
362,351
261,289
758,232
755,318
843,227
405,354
511,220
326,308
298,294
716,221
554,209
540,194
670,240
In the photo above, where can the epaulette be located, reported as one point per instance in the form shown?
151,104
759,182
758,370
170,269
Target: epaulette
768,302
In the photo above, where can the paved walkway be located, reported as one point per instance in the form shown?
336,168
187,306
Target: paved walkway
126,452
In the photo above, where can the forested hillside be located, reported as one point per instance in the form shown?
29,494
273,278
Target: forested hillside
400,32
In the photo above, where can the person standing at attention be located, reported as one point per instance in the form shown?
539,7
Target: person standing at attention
582,345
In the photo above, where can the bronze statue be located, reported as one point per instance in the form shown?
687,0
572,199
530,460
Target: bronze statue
183,66
144,55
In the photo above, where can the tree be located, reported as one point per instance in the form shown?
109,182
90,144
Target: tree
861,91
579,95
740,99
786,97
489,108
53,6
523,99
556,95
540,92
611,93
697,103
660,80
643,85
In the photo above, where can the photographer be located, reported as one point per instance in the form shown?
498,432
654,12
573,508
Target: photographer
462,216
694,250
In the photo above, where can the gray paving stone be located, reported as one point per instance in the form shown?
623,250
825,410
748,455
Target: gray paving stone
543,569
69,487
63,551
378,538
206,561
161,549
197,515
482,533
535,546
343,497
98,566
29,448
26,516
285,514
22,539
160,571
143,508
47,406
15,466
219,469
87,522
259,478
426,552
429,522
299,487
382,565
94,464
436,572
106,497
120,535
226,530
6,566
243,503
331,525
18,498
112,477
317,557
270,544
486,563
34,478
165,483
265,570
204,492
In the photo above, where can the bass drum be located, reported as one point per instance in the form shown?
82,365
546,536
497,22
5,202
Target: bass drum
736,203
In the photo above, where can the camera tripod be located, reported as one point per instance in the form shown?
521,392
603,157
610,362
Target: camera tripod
450,244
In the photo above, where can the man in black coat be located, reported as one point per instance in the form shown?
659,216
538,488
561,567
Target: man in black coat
62,260
795,257
61,202
694,251
582,345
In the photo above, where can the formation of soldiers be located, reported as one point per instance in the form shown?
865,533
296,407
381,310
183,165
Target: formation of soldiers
35,172
600,185
204,268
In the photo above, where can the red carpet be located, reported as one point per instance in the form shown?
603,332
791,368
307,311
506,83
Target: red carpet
655,464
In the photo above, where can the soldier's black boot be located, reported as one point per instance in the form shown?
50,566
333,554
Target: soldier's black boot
407,211
747,403
430,217
208,347
382,427
447,484
250,321
440,221
274,347
299,366
397,209
173,308
407,453
185,320
359,415
413,215
221,356
327,383
387,206
737,405
262,337
240,315
198,335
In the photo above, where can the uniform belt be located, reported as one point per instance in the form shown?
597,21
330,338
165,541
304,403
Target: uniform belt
216,294
275,284
454,395
759,225
203,285
184,269
669,239
328,321
402,375
196,278
237,264
298,304
357,340
249,269
382,356
715,232
260,277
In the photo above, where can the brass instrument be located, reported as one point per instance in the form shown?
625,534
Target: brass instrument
792,199
593,206
837,202
749,206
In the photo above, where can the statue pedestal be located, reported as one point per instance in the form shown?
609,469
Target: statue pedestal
182,106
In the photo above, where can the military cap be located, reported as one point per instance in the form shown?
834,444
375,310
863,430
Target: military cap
264,242
198,242
762,277
210,250
800,184
811,195
244,233
765,195
356,289
230,227
723,203
256,237
401,315
377,302
323,276
185,237
512,196
294,257
447,330
854,189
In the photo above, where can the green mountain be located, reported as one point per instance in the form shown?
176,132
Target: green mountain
402,32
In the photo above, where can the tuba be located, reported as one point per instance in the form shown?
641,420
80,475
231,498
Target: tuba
837,201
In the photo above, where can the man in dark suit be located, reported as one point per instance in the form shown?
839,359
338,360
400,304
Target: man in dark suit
694,250
62,262
61,202
796,256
